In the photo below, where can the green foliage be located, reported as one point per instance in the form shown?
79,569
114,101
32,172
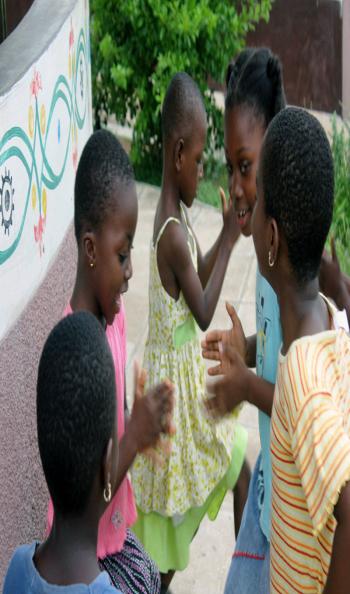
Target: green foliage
341,215
138,45
215,175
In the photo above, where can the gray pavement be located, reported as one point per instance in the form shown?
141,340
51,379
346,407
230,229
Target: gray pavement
213,545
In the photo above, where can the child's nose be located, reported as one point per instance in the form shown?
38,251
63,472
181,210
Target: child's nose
128,269
236,190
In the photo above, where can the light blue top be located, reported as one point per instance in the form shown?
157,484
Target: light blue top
268,343
23,578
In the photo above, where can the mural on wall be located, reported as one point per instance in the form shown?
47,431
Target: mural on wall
48,118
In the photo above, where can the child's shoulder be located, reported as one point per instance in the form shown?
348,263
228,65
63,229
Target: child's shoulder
18,572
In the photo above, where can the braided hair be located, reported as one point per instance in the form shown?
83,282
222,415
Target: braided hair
255,79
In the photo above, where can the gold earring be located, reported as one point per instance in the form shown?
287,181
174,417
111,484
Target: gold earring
107,492
271,261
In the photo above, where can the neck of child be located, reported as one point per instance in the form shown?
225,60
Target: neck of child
302,309
170,194
68,556
83,297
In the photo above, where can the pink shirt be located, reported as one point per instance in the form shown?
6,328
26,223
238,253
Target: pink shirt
121,512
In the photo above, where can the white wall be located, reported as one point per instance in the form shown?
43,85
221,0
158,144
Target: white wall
45,120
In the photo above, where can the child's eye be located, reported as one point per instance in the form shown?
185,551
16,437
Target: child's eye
244,167
123,258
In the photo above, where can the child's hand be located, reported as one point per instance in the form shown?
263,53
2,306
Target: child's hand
216,341
330,277
152,414
230,390
230,221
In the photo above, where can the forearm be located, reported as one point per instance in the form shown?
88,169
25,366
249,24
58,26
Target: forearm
213,288
260,393
338,581
206,262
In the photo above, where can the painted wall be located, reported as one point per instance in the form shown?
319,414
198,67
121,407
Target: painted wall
45,120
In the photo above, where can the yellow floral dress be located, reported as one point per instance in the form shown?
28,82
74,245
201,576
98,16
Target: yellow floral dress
201,448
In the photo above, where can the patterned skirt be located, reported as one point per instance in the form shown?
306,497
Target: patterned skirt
131,570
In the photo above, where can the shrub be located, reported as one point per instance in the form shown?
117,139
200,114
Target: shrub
138,45
341,216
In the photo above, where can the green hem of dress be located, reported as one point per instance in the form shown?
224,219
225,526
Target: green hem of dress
168,541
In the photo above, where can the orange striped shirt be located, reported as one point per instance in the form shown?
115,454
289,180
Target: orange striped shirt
310,452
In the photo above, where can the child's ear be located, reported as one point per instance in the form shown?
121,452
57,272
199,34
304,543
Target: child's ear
107,469
89,247
179,148
274,240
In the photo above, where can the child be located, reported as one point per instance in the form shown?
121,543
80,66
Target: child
254,96
310,425
184,289
76,433
105,219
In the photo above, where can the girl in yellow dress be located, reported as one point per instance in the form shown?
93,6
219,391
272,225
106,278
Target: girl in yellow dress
206,457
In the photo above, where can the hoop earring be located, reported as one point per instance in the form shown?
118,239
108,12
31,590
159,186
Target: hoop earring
271,261
107,492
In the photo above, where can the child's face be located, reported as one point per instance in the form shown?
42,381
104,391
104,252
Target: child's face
243,139
192,161
113,243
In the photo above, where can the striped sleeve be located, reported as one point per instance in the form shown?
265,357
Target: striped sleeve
321,450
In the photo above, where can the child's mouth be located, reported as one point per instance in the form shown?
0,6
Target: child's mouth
242,216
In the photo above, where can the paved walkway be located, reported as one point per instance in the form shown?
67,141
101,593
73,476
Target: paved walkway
212,547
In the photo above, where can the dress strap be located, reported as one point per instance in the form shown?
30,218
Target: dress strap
163,228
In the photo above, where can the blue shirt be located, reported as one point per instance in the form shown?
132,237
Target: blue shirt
23,578
268,344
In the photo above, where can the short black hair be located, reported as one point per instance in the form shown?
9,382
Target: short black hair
298,186
76,403
182,101
103,165
255,79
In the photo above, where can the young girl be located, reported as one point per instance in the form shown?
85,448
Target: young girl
76,409
310,425
254,96
105,218
206,459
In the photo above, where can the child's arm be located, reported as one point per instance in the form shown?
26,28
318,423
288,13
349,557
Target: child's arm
150,417
206,262
238,384
177,257
235,354
338,581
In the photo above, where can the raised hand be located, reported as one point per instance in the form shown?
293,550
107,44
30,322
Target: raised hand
216,341
229,217
232,389
152,416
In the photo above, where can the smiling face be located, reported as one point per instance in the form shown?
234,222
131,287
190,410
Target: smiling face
191,159
112,253
244,134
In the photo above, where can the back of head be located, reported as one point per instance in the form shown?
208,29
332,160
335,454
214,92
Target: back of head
182,102
75,409
103,166
255,79
298,186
